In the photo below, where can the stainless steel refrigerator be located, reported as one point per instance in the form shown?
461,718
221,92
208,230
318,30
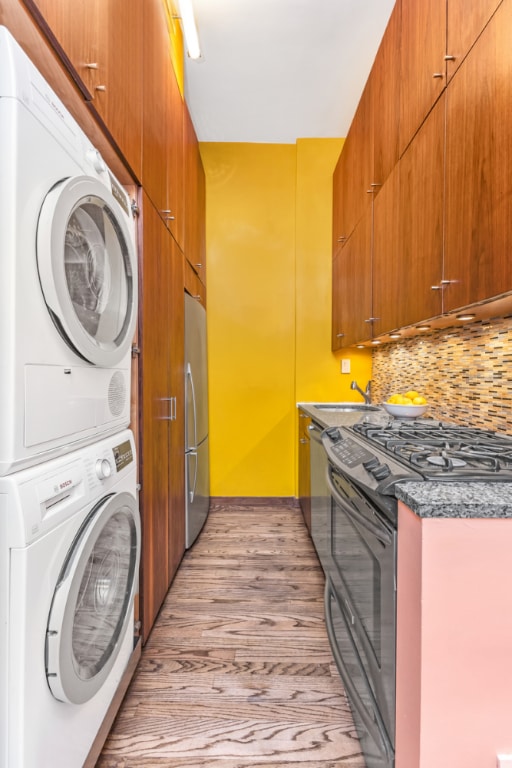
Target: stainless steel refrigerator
197,471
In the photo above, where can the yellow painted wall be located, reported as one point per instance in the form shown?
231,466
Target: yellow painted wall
268,287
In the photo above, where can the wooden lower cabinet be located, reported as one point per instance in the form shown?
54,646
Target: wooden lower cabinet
304,468
161,336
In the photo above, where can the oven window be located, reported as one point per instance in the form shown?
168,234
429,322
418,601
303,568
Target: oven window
361,575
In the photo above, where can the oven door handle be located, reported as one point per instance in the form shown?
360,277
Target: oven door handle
380,533
375,727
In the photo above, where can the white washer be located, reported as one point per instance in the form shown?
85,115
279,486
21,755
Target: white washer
68,276
69,560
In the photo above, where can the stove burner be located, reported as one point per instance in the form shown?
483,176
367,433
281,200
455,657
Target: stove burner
442,460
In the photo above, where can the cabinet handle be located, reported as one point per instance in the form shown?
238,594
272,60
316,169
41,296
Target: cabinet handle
92,65
437,74
372,319
435,287
100,88
448,282
342,238
169,218
199,266
449,58
339,335
304,440
375,184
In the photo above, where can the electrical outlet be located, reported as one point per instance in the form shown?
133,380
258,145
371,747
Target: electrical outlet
345,365
504,761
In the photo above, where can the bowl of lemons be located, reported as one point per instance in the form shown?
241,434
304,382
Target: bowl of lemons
409,405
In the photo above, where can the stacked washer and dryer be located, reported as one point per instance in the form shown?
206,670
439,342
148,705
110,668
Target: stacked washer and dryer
69,519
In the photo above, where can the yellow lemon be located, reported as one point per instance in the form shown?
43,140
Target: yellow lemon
419,400
411,394
393,399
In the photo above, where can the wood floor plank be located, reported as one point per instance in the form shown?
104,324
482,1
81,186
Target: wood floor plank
238,671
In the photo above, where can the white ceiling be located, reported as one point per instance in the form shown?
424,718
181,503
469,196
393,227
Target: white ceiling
279,70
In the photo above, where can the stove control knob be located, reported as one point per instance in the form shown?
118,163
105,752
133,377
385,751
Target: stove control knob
371,464
103,469
381,471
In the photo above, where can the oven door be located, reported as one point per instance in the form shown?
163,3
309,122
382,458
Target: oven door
361,613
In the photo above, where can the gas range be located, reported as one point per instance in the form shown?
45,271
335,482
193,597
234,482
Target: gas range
378,455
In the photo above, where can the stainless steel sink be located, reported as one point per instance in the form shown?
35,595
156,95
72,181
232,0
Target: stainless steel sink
344,407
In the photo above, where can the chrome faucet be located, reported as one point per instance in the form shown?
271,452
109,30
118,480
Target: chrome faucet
367,394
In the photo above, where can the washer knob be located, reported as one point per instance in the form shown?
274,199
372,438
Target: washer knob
103,469
96,160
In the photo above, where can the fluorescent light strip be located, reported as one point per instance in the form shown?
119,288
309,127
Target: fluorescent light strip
189,28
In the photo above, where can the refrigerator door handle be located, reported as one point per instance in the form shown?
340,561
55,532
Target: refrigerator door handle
191,379
192,491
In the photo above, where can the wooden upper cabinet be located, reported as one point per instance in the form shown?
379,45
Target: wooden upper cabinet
386,264
422,62
195,200
385,95
162,129
156,109
102,41
353,285
465,21
479,169
354,173
420,240
80,28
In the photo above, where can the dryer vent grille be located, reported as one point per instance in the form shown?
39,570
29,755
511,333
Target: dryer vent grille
117,394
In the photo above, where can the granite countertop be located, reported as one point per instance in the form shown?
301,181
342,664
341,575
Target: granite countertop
431,499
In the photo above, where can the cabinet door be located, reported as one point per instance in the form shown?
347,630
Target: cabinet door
194,186
353,173
479,169
355,284
120,104
422,67
385,91
175,164
421,179
155,412
304,468
386,257
176,530
465,22
156,63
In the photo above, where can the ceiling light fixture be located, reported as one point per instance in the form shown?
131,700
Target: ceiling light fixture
188,26
423,327
466,317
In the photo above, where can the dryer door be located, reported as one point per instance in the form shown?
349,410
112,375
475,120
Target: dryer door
92,607
87,268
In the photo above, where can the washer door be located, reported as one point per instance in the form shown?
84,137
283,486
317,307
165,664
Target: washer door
92,605
87,268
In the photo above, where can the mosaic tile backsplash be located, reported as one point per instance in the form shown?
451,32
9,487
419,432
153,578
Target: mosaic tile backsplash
465,373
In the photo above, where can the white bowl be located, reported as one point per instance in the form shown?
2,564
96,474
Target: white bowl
405,411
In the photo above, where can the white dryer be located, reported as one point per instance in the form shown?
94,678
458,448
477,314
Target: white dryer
68,276
69,560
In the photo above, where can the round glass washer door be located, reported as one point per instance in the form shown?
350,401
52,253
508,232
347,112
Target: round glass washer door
92,605
87,269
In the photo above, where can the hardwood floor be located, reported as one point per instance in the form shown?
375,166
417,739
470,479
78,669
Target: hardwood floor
238,670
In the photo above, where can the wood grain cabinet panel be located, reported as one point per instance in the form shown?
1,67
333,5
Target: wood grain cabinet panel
194,200
386,264
162,412
421,202
422,62
305,468
102,42
162,129
479,169
353,289
353,174
465,21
